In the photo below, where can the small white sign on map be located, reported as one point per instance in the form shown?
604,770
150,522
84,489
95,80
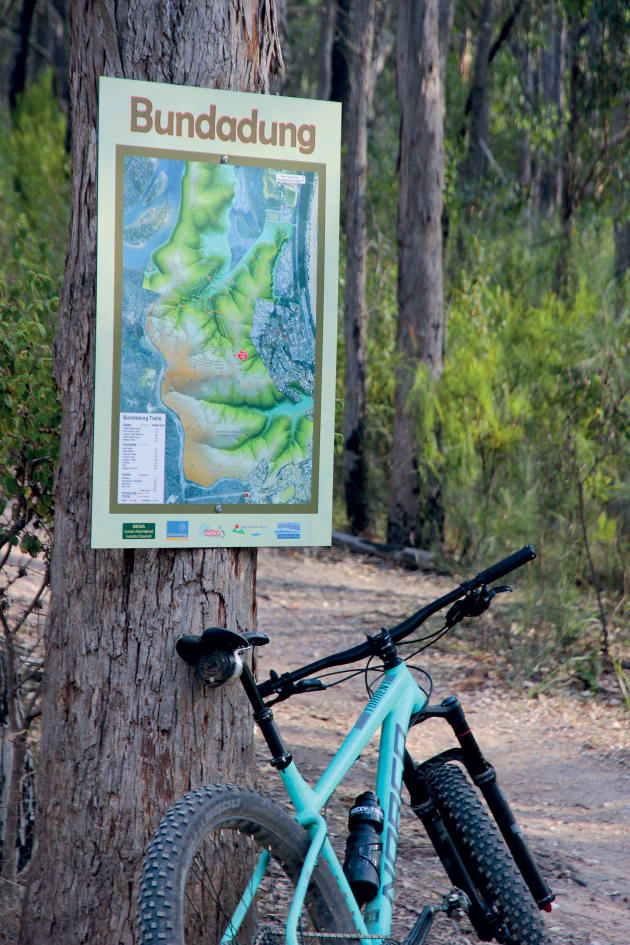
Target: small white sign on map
290,179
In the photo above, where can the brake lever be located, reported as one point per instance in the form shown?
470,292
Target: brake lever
473,604
287,688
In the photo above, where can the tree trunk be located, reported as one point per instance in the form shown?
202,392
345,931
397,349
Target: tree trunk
339,77
447,10
17,80
618,126
552,86
328,21
11,831
569,159
355,311
415,515
126,728
16,769
479,122
7,752
279,80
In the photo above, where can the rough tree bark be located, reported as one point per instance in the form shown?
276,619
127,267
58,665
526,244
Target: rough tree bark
361,39
415,515
125,726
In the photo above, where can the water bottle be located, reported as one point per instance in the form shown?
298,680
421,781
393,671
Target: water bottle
364,846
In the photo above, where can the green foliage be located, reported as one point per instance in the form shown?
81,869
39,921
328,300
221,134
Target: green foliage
35,193
530,429
29,402
34,173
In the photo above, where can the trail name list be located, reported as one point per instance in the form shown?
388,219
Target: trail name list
142,440
212,126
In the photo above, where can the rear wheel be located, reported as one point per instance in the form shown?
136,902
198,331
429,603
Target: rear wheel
210,847
486,857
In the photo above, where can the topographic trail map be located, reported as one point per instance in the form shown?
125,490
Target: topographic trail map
219,266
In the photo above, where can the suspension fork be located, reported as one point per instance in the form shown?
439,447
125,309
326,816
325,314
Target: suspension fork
484,777
424,807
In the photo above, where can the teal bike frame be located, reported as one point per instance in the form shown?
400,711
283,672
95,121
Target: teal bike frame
397,702
397,698
391,706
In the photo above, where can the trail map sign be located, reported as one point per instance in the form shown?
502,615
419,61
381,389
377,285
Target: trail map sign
216,318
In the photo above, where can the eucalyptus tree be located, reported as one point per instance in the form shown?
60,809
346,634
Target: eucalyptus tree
125,729
415,514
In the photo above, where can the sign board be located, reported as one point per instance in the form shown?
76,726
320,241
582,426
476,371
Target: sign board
216,318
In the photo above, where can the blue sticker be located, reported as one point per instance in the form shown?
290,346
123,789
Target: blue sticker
290,530
177,530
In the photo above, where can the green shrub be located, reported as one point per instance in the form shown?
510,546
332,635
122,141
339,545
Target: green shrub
29,401
529,429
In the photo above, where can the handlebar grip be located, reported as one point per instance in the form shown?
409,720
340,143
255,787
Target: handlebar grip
496,571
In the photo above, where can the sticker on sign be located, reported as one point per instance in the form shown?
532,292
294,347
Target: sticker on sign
290,179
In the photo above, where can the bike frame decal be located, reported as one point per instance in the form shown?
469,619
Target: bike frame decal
397,698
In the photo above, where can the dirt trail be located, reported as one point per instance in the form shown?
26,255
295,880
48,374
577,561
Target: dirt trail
563,761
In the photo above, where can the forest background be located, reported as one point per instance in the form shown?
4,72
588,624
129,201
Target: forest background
519,415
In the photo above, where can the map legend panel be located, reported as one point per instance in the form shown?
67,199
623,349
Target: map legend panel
141,458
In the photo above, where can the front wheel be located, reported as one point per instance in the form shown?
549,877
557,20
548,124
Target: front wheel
487,859
221,869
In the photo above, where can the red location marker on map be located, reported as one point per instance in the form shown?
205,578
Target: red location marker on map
242,355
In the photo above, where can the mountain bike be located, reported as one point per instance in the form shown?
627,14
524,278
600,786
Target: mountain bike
228,866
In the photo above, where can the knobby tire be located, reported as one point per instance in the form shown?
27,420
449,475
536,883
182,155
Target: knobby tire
201,858
486,856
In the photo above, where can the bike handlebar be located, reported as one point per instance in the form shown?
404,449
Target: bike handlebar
511,563
277,683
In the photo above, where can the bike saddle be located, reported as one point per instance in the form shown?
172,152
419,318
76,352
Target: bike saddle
214,639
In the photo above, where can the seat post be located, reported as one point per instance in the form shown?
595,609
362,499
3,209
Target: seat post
263,716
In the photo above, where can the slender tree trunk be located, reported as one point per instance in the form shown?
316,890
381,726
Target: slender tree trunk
525,160
479,122
58,17
126,728
355,310
10,840
17,80
7,751
622,244
339,77
618,125
415,508
447,9
328,21
279,80
552,86
569,159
